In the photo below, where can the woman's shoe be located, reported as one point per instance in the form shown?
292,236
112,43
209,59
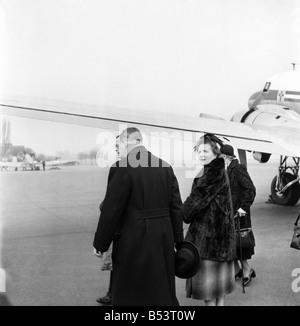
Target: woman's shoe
239,274
247,280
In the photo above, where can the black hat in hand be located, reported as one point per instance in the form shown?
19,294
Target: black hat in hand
187,259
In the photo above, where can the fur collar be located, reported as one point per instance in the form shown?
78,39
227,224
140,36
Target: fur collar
211,175
214,169
216,164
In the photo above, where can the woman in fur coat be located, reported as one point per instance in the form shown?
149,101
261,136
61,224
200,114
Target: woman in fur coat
208,210
243,193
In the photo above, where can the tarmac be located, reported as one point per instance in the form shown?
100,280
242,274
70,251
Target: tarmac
49,219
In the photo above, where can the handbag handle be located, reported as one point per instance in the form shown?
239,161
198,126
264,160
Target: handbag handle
297,220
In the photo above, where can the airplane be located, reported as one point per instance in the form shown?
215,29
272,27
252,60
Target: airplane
282,92
271,125
29,163
276,108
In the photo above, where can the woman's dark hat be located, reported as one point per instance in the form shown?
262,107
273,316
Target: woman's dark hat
210,138
227,150
187,259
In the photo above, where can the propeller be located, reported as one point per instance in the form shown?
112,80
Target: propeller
255,99
209,116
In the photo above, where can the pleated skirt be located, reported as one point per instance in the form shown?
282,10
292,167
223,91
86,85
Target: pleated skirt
213,280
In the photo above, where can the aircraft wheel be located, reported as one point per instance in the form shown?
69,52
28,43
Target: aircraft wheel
291,196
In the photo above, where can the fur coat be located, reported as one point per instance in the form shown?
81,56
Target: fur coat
208,210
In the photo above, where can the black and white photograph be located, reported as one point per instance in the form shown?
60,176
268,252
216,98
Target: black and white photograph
150,155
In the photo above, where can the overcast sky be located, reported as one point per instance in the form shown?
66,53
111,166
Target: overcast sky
176,56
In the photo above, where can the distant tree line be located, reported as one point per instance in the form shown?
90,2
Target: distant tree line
7,150
4,136
84,157
88,157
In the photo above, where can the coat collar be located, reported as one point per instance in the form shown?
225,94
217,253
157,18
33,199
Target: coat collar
217,163
210,175
232,165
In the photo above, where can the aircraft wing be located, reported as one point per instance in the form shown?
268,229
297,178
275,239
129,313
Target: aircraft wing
266,139
60,163
273,140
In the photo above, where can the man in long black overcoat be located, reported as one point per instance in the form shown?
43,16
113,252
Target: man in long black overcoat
142,215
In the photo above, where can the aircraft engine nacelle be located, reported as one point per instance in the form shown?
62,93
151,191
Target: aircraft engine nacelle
261,157
268,116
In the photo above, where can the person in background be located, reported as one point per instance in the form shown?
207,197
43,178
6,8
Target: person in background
208,210
107,260
243,193
142,215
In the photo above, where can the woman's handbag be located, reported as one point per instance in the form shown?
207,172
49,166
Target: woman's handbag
244,237
296,236
244,240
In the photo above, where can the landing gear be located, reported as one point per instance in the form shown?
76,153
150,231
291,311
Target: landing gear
285,187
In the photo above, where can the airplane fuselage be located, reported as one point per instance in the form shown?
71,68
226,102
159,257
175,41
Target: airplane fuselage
281,90
278,104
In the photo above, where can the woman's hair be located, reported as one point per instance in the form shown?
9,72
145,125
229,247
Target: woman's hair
214,142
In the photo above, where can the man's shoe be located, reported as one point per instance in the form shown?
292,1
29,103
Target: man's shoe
105,300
